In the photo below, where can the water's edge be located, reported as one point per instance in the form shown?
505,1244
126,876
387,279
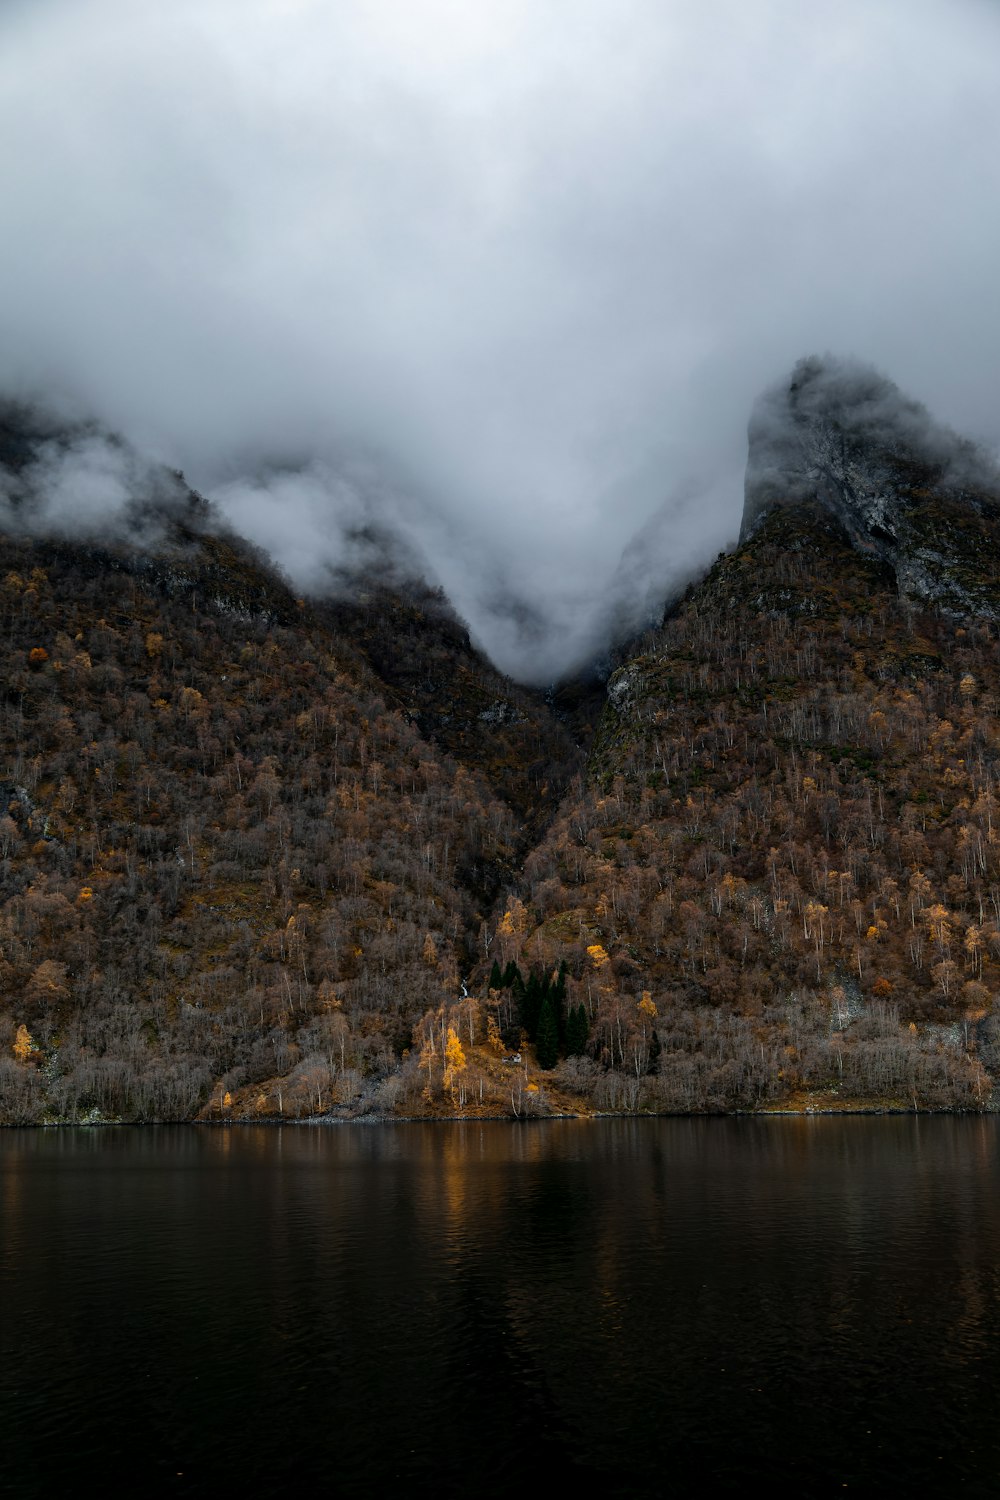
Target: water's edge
248,1122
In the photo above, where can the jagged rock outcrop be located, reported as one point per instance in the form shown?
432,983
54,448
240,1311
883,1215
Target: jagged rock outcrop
906,489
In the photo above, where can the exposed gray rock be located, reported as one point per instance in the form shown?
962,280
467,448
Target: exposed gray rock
501,712
624,687
905,488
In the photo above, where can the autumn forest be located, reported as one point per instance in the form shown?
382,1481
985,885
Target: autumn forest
267,857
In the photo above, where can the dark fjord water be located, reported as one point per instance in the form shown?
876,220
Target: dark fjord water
668,1307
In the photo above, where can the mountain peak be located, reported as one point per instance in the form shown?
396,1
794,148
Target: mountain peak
905,488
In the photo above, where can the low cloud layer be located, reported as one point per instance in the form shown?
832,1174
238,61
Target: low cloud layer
79,482
492,287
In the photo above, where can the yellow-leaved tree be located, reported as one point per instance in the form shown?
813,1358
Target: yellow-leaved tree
23,1044
454,1061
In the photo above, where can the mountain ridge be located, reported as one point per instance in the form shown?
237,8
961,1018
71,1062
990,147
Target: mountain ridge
269,857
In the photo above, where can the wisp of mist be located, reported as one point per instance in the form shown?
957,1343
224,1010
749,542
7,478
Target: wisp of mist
485,293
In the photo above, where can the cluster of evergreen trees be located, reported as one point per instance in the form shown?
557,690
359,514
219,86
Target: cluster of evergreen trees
553,1030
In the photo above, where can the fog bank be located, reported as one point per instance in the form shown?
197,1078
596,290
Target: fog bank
494,285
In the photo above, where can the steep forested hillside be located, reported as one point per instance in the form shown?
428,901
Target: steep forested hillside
788,842
232,864
270,857
787,846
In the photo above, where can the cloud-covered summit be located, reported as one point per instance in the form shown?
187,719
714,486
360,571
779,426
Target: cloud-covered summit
498,281
841,430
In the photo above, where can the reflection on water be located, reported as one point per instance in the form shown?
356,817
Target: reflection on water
672,1307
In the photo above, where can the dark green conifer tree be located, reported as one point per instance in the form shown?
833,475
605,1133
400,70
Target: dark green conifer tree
576,1031
547,1045
557,989
531,999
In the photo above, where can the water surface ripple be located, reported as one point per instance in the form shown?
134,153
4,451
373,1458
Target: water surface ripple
668,1307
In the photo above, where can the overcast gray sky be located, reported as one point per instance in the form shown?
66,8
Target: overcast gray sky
508,275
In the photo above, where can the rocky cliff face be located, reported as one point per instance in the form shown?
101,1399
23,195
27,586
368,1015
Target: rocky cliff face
906,490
